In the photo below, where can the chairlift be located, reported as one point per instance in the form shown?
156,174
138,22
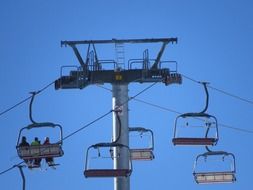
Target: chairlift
106,172
214,177
143,153
206,122
41,151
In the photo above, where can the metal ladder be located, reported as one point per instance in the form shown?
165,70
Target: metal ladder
120,55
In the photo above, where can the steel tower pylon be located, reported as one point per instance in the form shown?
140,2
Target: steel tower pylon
141,70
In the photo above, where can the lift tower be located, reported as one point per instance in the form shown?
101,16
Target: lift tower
93,70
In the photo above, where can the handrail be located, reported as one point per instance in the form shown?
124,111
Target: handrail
142,61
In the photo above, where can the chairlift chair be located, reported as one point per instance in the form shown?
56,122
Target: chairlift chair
214,177
208,122
29,153
143,153
40,151
106,172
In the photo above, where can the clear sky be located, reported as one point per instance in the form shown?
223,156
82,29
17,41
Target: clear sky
215,44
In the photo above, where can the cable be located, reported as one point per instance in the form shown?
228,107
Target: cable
221,91
26,99
232,95
237,129
116,111
87,125
191,79
11,167
170,110
176,112
68,136
157,106
71,134
145,89
100,86
16,105
140,92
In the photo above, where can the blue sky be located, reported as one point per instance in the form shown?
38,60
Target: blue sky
214,44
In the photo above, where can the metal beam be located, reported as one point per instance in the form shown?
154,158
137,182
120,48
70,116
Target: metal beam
79,57
159,56
150,40
78,79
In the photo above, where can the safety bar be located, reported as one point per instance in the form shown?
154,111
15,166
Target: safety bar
41,125
216,153
104,172
195,115
141,130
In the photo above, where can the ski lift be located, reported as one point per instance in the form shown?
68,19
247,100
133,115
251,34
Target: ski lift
95,154
218,176
40,151
28,153
205,121
200,120
143,153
